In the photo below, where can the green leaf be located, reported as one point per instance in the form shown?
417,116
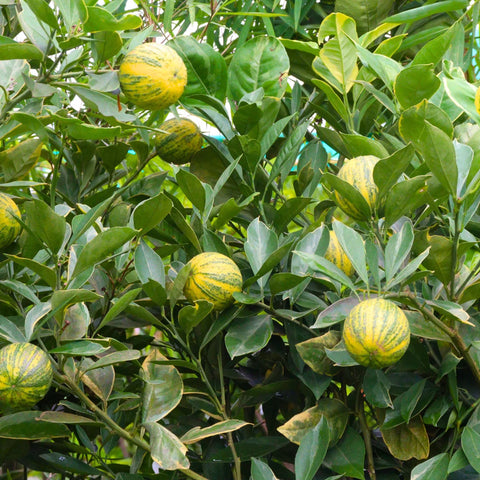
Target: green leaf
434,50
64,417
381,66
471,446
48,226
435,468
43,12
367,14
335,313
333,98
28,426
102,246
21,289
83,131
462,94
354,247
104,46
415,14
433,143
261,471
192,188
315,441
387,170
414,84
114,358
45,273
191,315
283,281
149,213
73,12
206,68
270,263
220,324
10,332
104,104
247,335
404,197
10,51
181,223
118,306
289,211
359,145
79,348
166,449
17,161
322,265
261,243
398,249
262,62
376,387
348,456
339,53
100,20
288,154
69,464
148,264
163,388
410,399
196,434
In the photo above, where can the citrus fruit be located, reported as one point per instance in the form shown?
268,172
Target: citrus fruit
181,140
152,76
376,333
213,277
9,227
336,254
25,376
358,172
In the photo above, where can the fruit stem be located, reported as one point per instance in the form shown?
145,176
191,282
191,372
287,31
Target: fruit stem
360,407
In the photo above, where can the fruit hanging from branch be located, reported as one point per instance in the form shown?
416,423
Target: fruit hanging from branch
152,76
376,333
179,140
25,376
213,277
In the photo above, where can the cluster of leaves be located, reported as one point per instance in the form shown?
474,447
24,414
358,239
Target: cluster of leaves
147,384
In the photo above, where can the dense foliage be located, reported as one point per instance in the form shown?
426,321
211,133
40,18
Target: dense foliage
148,384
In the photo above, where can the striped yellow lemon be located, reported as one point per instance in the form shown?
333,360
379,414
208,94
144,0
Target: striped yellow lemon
25,376
180,142
213,277
376,333
358,172
9,226
336,254
152,76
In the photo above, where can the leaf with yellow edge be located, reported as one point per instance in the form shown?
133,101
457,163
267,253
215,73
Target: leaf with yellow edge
166,448
408,440
196,434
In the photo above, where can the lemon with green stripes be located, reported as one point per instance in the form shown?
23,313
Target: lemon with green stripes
213,277
25,376
376,333
9,226
179,140
152,76
336,254
358,172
